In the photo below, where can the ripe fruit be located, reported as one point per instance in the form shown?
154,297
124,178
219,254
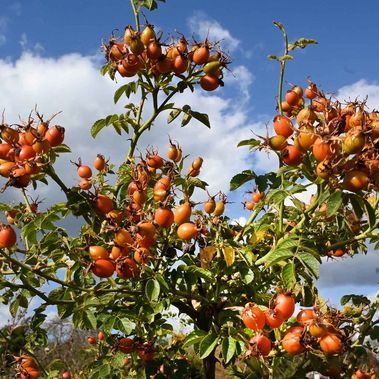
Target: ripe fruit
274,318
172,152
103,268
154,50
257,196
306,317
66,375
8,237
260,345
30,373
355,180
291,343
201,55
127,268
353,142
99,162
284,305
103,204
142,255
126,345
291,155
209,83
85,184
209,205
292,98
91,340
321,149
187,231
164,217
311,91
283,126
98,252
317,330
154,161
336,253
123,238
55,135
84,172
330,344
101,336
306,138
146,355
182,213
306,117
253,317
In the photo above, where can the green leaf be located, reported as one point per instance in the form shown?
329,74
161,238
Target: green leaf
91,319
62,148
173,115
301,43
274,256
207,345
104,370
152,290
286,57
355,299
119,92
370,213
288,275
252,142
202,117
14,307
97,126
273,57
194,337
186,119
228,349
125,325
205,274
334,203
242,178
310,262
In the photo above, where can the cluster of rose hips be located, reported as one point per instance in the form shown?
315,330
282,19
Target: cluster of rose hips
133,226
143,52
341,142
145,350
256,197
28,368
25,149
311,326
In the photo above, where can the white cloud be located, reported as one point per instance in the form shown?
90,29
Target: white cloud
202,25
4,315
361,89
72,83
26,46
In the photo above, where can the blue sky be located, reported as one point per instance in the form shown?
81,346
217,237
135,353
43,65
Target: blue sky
50,55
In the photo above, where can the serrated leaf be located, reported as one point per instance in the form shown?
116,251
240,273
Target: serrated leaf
97,126
242,178
119,92
274,256
334,203
289,276
194,337
228,349
152,290
125,325
249,142
229,255
173,115
205,274
202,117
207,345
91,319
310,262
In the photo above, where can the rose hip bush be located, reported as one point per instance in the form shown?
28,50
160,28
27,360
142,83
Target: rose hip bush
145,246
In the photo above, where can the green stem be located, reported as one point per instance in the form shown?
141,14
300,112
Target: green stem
136,15
26,200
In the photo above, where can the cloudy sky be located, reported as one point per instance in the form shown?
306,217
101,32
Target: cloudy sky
50,56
